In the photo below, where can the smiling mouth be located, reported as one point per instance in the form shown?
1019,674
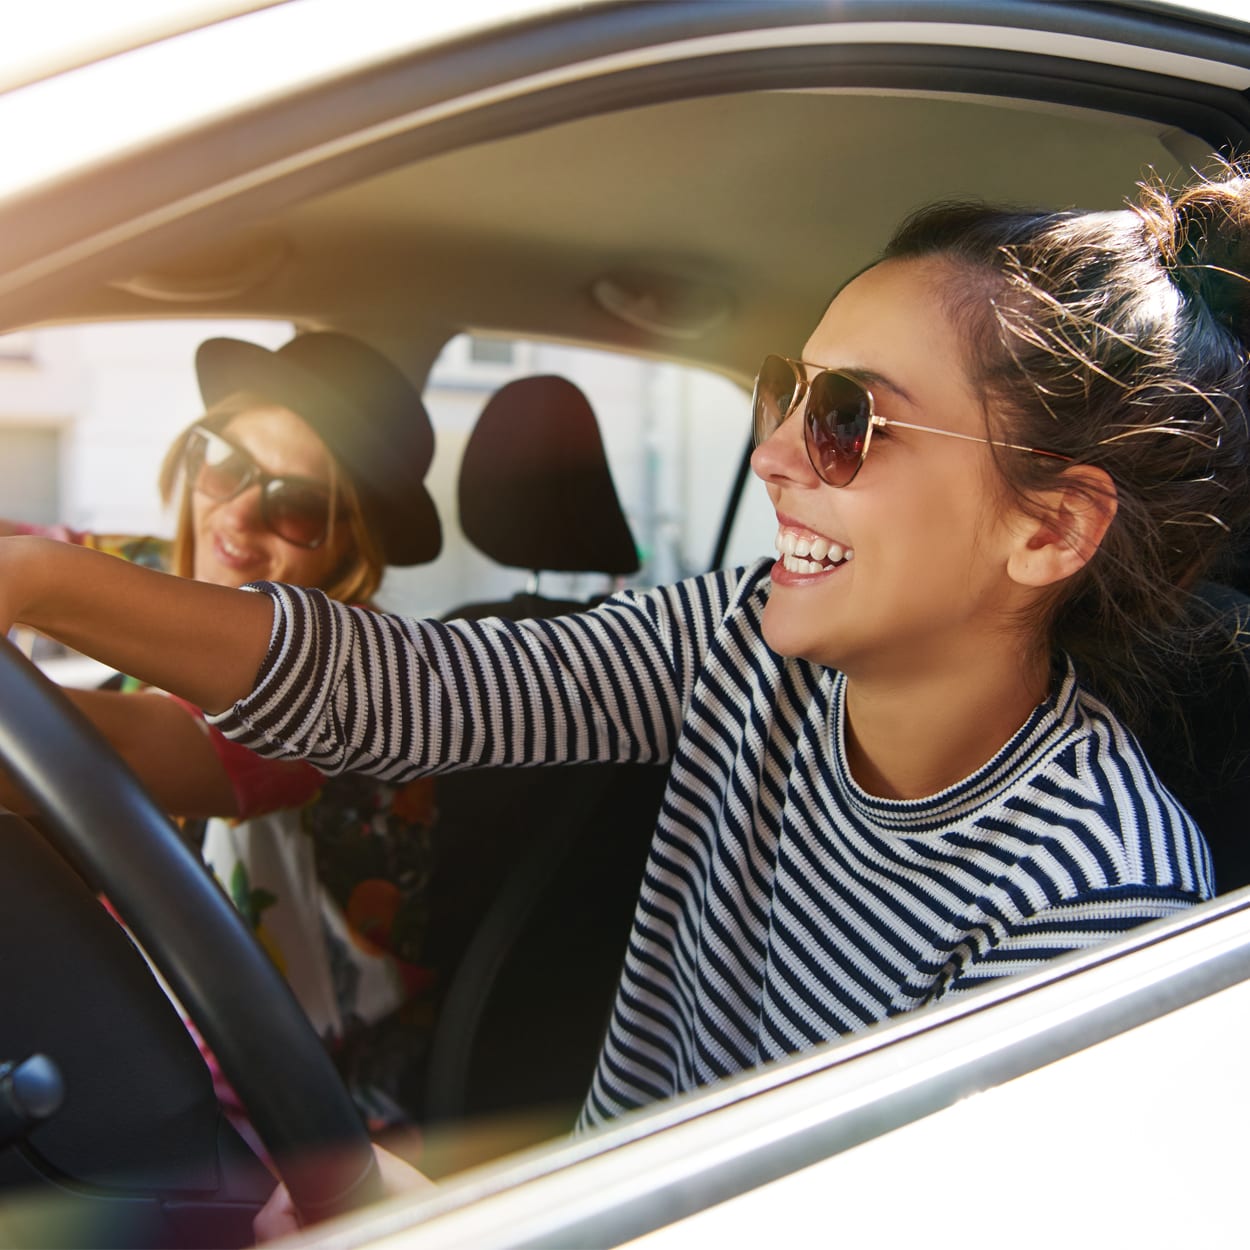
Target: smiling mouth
232,552
805,553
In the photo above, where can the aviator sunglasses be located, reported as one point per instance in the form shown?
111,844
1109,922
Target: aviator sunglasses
298,510
840,417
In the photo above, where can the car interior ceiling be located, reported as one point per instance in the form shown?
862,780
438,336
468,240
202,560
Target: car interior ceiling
364,255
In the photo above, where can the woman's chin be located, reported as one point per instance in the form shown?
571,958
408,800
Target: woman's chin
789,634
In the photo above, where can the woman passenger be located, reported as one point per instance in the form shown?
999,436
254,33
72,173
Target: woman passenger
306,467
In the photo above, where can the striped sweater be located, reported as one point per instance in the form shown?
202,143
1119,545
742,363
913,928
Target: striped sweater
782,905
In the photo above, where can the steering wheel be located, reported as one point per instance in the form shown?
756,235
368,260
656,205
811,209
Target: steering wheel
97,814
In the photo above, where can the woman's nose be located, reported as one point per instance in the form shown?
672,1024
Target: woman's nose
782,456
244,509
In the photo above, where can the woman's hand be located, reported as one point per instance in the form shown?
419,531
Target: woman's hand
277,1218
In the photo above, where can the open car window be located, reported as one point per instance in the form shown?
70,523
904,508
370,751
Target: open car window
514,168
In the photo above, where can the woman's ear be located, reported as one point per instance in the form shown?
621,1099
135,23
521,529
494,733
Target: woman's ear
1064,527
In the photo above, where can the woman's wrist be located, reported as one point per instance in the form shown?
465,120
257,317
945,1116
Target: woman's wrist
27,566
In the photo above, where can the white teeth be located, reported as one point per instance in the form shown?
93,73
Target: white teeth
231,549
800,554
798,565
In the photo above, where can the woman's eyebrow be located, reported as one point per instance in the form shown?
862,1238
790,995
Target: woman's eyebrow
879,382
867,377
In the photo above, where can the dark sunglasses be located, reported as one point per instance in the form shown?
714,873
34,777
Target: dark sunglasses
840,417
297,509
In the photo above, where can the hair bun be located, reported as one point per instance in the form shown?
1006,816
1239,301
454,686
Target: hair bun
1203,237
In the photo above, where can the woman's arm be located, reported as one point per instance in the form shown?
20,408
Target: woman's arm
167,748
187,766
353,690
358,691
278,1218
203,642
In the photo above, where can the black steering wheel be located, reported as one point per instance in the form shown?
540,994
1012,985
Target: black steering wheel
97,814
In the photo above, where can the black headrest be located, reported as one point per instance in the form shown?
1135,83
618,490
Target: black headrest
535,489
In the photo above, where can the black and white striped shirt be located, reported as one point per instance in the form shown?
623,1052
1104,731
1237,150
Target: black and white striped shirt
782,905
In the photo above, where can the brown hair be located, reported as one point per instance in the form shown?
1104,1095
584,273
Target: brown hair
357,578
1117,339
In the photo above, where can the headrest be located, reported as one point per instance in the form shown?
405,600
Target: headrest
535,489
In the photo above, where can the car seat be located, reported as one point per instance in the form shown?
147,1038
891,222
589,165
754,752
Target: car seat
540,868
536,493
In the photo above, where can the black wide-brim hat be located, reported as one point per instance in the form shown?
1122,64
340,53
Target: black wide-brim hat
363,408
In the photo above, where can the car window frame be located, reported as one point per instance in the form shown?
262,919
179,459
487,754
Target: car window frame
681,1157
